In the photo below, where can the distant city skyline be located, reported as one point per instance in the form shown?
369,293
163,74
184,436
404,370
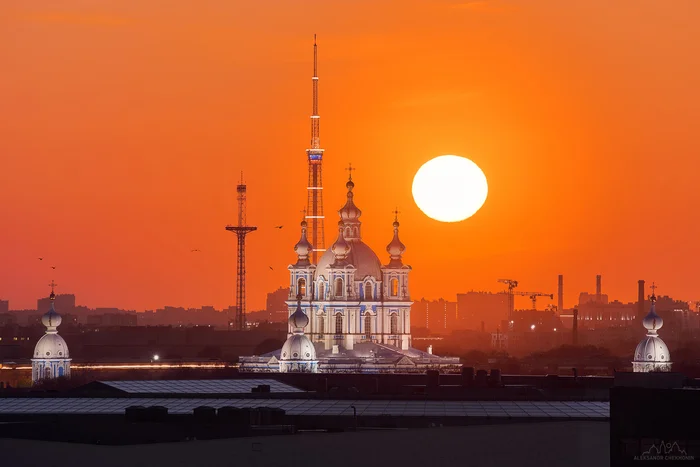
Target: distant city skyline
125,127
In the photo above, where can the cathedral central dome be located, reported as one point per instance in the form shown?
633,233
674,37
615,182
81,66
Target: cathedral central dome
361,256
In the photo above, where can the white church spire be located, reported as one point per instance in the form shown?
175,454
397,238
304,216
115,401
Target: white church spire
652,354
51,357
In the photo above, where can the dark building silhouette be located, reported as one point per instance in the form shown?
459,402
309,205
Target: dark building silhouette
64,302
475,308
276,310
4,306
438,316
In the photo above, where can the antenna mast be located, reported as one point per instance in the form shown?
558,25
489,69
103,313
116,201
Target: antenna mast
241,230
314,210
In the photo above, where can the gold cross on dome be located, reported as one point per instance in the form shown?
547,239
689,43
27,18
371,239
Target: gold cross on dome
303,213
52,285
350,169
396,213
653,288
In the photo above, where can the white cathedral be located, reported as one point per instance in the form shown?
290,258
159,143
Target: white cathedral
51,358
349,313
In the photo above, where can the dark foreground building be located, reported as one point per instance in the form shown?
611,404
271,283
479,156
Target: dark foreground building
348,420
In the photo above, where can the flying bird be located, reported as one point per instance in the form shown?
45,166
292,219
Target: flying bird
270,268
195,250
279,226
41,259
53,267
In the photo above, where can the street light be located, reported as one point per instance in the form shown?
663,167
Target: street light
156,357
532,327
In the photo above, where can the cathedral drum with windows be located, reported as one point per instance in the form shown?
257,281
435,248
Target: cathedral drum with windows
358,309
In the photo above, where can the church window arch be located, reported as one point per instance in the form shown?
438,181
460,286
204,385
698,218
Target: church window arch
321,325
47,372
368,326
301,287
338,323
394,324
394,283
368,291
339,287
321,290
60,371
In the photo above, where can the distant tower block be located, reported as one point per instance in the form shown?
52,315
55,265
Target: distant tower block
640,298
598,287
560,294
241,230
314,209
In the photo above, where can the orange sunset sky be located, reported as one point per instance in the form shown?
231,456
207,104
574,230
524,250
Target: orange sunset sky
124,126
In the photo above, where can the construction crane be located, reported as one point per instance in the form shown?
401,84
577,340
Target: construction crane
512,284
533,296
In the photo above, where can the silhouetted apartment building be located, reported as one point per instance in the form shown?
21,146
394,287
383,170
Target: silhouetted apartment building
276,307
475,308
112,319
585,297
64,302
597,315
4,306
438,316
7,319
178,316
535,320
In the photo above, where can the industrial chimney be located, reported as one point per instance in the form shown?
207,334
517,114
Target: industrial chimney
597,287
640,300
575,327
560,293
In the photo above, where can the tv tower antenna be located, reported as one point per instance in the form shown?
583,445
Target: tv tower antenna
241,230
314,210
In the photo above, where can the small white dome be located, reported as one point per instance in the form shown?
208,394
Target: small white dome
652,321
340,247
652,349
51,346
298,320
395,248
298,347
51,319
303,247
350,213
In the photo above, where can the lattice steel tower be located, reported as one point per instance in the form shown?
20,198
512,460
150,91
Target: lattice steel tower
241,230
314,209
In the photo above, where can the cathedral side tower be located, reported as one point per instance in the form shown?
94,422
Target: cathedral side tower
396,292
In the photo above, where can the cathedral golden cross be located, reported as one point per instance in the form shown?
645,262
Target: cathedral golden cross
350,169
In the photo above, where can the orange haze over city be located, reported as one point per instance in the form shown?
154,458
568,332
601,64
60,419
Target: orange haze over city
124,127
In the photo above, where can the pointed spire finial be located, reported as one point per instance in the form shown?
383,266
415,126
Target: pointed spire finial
52,285
396,213
350,170
653,292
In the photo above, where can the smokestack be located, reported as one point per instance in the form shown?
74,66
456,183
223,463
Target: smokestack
640,300
597,287
560,293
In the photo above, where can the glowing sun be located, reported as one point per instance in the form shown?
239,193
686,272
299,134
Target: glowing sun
450,188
